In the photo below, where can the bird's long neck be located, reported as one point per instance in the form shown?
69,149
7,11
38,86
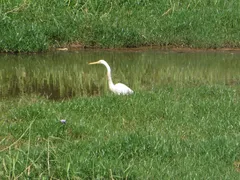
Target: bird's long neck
110,82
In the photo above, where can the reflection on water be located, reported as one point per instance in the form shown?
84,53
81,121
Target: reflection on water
67,74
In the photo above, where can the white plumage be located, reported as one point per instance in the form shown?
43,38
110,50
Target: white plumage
119,88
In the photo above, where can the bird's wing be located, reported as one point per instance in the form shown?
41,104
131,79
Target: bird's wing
122,89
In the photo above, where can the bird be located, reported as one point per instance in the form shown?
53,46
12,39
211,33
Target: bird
119,88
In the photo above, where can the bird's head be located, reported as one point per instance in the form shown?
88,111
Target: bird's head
98,62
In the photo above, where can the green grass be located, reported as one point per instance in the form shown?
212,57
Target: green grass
28,26
170,133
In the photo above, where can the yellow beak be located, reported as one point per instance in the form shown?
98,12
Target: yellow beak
94,62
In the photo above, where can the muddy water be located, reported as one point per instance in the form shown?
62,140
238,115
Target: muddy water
67,74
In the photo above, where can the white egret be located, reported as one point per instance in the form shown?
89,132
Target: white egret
119,88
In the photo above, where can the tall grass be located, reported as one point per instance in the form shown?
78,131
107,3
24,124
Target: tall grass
182,122
172,133
28,25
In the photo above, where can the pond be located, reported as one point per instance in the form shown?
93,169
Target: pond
67,74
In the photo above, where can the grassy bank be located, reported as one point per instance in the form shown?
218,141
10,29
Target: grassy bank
173,133
28,25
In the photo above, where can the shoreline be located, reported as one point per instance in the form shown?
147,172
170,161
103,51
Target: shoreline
80,47
146,48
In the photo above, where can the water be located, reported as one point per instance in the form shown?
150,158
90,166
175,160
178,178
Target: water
67,74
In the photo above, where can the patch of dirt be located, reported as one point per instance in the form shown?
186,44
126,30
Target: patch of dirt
237,166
